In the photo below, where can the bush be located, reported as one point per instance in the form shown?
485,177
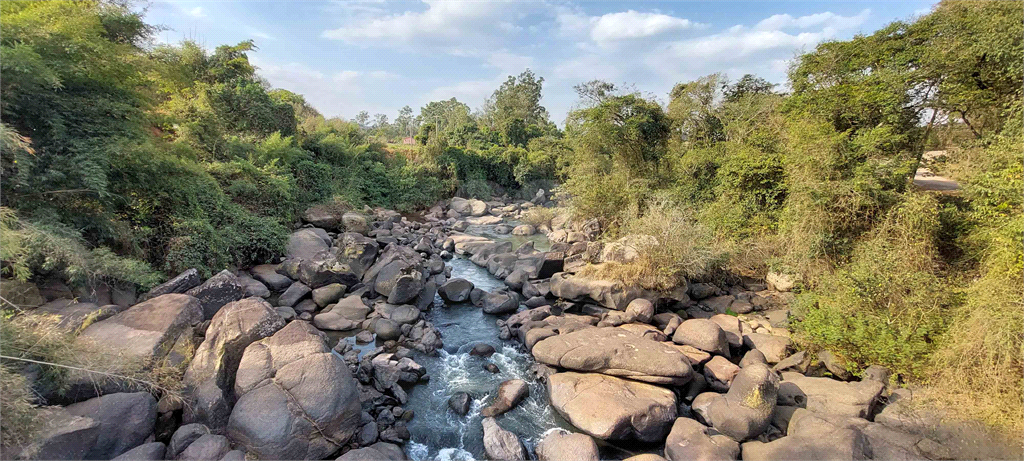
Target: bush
890,304
678,249
538,216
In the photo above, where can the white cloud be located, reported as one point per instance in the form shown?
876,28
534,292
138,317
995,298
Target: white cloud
197,12
262,35
633,24
471,92
824,20
509,63
462,28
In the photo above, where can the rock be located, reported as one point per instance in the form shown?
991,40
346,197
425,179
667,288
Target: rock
746,410
490,367
645,457
719,304
720,372
561,445
751,357
510,393
233,455
828,396
797,362
613,351
293,380
811,436
536,335
125,419
455,290
323,216
352,308
404,314
232,329
354,222
702,334
60,435
306,305
184,436
773,347
835,365
731,326
376,452
387,330
333,320
641,309
368,434
306,244
148,451
500,302
24,295
400,281
146,331
207,447
357,251
183,282
459,403
610,294
72,316
482,350
219,290
611,408
364,337
267,274
690,440
293,294
254,287
328,294
524,230
501,445
700,291
780,282
878,373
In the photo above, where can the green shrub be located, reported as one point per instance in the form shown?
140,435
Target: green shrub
890,304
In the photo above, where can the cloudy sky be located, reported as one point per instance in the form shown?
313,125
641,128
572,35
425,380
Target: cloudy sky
348,56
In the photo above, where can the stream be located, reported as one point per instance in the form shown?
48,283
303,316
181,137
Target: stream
437,432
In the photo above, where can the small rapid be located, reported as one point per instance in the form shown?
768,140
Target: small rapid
437,432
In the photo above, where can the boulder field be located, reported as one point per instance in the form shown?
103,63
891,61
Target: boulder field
705,372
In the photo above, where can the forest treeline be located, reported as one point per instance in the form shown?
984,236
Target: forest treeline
122,160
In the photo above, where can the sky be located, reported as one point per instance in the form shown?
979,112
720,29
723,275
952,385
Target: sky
350,56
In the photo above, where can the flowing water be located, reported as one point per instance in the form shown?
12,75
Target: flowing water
437,432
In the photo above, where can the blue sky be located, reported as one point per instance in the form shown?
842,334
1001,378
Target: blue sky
347,56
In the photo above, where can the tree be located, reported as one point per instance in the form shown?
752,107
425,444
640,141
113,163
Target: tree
362,118
747,85
516,105
405,123
692,108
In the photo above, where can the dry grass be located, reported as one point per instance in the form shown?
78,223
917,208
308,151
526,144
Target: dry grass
36,341
684,250
538,216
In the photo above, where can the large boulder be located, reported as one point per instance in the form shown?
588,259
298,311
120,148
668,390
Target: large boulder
455,290
207,447
746,410
296,399
561,445
24,295
126,420
775,348
400,281
702,334
306,244
267,273
500,302
501,445
357,250
376,452
355,222
611,408
59,435
828,396
181,283
323,216
510,393
148,451
616,352
146,331
610,294
71,316
693,441
218,291
212,370
812,437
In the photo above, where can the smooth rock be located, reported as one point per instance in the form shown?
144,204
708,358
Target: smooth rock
611,408
616,352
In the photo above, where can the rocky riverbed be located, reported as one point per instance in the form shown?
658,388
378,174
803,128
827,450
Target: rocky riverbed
463,334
